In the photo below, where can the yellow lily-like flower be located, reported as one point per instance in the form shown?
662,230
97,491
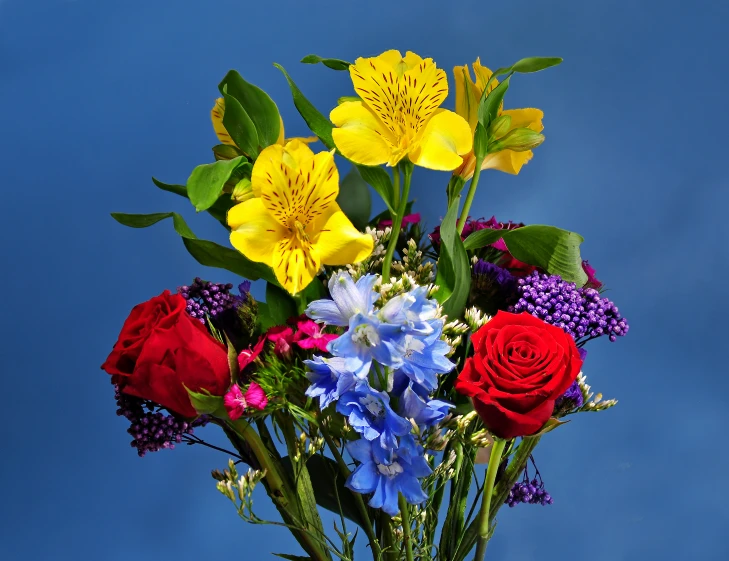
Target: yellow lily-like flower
294,224
217,113
468,95
399,115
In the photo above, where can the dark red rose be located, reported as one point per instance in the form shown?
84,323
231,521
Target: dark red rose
161,350
520,366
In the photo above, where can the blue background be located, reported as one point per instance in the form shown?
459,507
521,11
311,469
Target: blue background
96,97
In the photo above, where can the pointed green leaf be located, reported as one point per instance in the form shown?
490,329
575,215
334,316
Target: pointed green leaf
381,182
453,270
218,211
488,107
281,306
292,557
535,64
205,403
258,105
240,126
146,220
333,63
318,123
354,198
206,181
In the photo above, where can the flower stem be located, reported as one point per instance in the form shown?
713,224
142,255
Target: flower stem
497,449
469,196
405,515
402,197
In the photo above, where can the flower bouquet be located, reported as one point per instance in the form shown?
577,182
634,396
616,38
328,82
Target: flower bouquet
385,363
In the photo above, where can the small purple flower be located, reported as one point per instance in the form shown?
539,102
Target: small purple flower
571,399
492,288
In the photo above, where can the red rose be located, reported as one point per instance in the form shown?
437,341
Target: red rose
520,366
161,350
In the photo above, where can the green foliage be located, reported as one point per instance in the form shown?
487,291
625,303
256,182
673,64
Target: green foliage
219,210
354,199
206,404
453,270
147,220
480,142
281,306
318,123
555,250
206,182
257,105
333,63
225,152
489,105
240,126
381,182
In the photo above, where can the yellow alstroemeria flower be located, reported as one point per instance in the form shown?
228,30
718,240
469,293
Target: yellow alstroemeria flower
217,113
294,224
468,95
399,115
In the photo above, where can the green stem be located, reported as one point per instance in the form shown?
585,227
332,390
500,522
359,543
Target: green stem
366,523
483,523
405,515
469,196
407,169
388,540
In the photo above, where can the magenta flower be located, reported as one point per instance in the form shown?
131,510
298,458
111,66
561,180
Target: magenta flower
282,338
592,281
247,356
309,336
409,219
236,403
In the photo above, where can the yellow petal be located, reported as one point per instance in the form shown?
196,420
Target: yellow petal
467,96
321,186
267,168
340,243
376,82
422,90
483,75
507,161
526,118
216,115
280,139
254,232
391,58
295,267
445,137
359,135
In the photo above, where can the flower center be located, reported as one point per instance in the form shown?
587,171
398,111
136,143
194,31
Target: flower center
373,405
365,335
300,232
390,471
413,345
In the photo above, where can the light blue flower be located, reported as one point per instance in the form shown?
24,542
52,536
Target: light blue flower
370,414
424,357
424,412
329,379
348,299
413,310
369,339
386,479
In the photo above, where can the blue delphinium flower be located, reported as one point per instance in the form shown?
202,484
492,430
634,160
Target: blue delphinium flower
348,299
386,479
370,414
369,339
424,357
413,310
329,379
424,412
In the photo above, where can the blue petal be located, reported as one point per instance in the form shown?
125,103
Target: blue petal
326,311
351,298
360,450
378,499
364,479
390,503
410,488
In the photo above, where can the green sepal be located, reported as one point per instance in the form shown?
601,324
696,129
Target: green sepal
258,106
281,306
552,249
318,123
354,198
206,182
453,269
206,403
333,63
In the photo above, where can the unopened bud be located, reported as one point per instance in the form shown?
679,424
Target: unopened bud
500,126
518,140
242,191
217,475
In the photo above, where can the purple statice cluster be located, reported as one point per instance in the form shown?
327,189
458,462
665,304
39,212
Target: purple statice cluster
381,377
570,400
492,288
581,312
529,491
152,430
212,299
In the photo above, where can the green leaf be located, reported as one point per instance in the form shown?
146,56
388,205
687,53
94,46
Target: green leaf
206,182
240,126
325,476
292,557
354,198
550,425
333,63
555,250
147,220
453,269
257,104
381,182
225,152
488,107
218,211
318,123
281,306
535,64
205,403
213,255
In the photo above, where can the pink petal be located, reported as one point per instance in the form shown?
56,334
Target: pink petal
279,333
256,397
234,403
307,327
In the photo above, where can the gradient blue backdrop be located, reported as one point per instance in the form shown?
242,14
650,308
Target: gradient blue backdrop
96,97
